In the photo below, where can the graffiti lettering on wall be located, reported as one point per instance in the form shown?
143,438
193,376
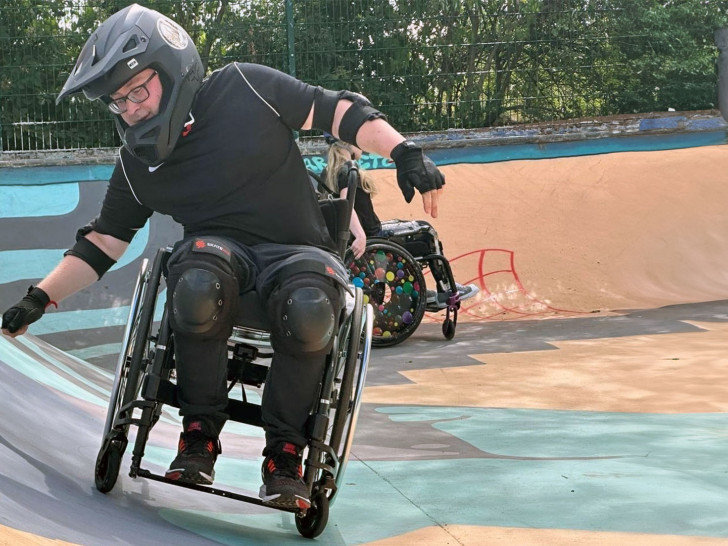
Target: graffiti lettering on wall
317,163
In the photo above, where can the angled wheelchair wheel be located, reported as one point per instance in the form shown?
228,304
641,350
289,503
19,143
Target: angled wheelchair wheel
353,363
393,283
134,348
351,371
127,380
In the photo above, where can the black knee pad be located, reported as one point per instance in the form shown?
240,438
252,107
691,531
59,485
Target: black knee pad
304,312
203,285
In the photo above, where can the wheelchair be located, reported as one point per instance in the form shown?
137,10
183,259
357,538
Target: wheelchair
391,275
145,382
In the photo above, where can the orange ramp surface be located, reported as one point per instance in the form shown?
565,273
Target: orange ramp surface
582,234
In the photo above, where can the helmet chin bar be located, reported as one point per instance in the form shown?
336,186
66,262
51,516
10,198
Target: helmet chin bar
143,140
151,140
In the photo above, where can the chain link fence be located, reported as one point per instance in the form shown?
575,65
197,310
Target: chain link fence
431,65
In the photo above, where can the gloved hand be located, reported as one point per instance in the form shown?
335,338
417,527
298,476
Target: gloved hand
26,311
415,170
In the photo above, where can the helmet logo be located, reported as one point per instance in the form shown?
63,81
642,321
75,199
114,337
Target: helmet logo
172,33
132,64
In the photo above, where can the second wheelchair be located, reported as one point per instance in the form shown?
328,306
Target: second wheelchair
391,274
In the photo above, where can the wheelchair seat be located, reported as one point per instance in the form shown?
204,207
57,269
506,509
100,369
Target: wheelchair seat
252,312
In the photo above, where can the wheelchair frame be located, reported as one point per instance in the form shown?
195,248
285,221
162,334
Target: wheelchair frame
144,384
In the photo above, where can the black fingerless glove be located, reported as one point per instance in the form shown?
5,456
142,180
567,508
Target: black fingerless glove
26,311
415,170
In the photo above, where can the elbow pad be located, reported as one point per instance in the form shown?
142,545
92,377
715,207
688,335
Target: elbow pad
358,114
84,249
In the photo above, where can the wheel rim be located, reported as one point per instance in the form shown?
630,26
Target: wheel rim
393,284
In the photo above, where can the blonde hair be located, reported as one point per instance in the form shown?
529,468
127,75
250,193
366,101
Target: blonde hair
340,153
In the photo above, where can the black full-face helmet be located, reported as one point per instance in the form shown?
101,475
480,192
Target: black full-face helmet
128,42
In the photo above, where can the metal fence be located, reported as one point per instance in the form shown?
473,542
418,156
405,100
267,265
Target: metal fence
431,65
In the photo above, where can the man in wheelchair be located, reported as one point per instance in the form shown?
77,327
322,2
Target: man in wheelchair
218,154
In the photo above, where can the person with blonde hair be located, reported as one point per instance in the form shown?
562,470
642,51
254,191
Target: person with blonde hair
364,220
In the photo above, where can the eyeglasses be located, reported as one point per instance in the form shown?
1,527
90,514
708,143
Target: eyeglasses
137,95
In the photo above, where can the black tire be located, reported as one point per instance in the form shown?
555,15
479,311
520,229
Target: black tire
108,462
393,283
448,329
314,522
345,409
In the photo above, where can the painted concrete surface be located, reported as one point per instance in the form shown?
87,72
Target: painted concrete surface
582,400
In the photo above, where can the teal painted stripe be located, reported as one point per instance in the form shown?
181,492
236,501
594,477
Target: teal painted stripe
540,469
28,264
26,364
63,321
96,351
548,150
36,201
633,472
464,154
88,319
551,150
36,176
36,263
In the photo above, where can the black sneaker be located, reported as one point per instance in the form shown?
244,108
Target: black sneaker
197,452
283,485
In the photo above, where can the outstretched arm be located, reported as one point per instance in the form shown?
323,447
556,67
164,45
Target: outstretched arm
379,137
414,169
73,274
68,277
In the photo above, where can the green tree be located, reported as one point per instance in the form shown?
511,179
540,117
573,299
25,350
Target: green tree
669,54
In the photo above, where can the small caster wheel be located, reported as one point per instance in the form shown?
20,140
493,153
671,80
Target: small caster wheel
314,522
448,329
108,463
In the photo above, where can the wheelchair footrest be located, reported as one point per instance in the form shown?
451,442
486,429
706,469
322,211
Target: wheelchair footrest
143,473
